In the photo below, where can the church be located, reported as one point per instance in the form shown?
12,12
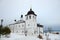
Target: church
29,26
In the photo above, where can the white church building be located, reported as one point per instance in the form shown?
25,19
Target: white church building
29,26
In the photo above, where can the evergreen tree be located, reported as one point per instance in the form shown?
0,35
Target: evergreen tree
6,31
0,30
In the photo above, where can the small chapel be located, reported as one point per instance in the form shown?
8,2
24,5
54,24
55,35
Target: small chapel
29,26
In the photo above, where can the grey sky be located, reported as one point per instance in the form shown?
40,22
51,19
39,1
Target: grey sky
48,11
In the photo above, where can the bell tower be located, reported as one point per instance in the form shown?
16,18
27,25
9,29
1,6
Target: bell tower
31,21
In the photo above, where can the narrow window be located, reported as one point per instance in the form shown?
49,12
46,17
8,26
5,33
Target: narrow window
35,32
22,31
28,24
22,25
17,31
30,17
33,16
19,25
26,17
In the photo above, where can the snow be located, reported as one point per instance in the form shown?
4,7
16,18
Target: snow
49,36
20,37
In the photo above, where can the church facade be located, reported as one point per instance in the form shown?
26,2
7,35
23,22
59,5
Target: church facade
29,26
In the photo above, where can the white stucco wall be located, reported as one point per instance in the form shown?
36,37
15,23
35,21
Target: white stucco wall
30,26
17,28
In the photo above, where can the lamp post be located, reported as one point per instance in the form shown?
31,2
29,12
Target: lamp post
1,27
1,22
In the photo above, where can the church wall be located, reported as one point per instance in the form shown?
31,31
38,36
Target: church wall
31,24
17,28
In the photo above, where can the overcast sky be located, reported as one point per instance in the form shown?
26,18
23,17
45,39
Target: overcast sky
48,11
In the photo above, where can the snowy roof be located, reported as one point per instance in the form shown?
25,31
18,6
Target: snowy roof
38,25
20,21
17,22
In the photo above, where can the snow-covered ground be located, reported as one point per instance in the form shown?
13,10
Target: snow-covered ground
20,37
51,36
48,36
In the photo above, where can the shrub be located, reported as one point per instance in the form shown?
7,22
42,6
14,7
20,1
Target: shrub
0,30
57,33
6,31
40,37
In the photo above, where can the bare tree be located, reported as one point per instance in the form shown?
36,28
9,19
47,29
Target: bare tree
49,29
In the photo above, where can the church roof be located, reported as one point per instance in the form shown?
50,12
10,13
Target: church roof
30,12
20,21
38,25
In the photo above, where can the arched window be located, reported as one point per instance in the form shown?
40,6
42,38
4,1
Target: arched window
22,25
35,32
26,17
33,16
29,17
28,24
19,25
